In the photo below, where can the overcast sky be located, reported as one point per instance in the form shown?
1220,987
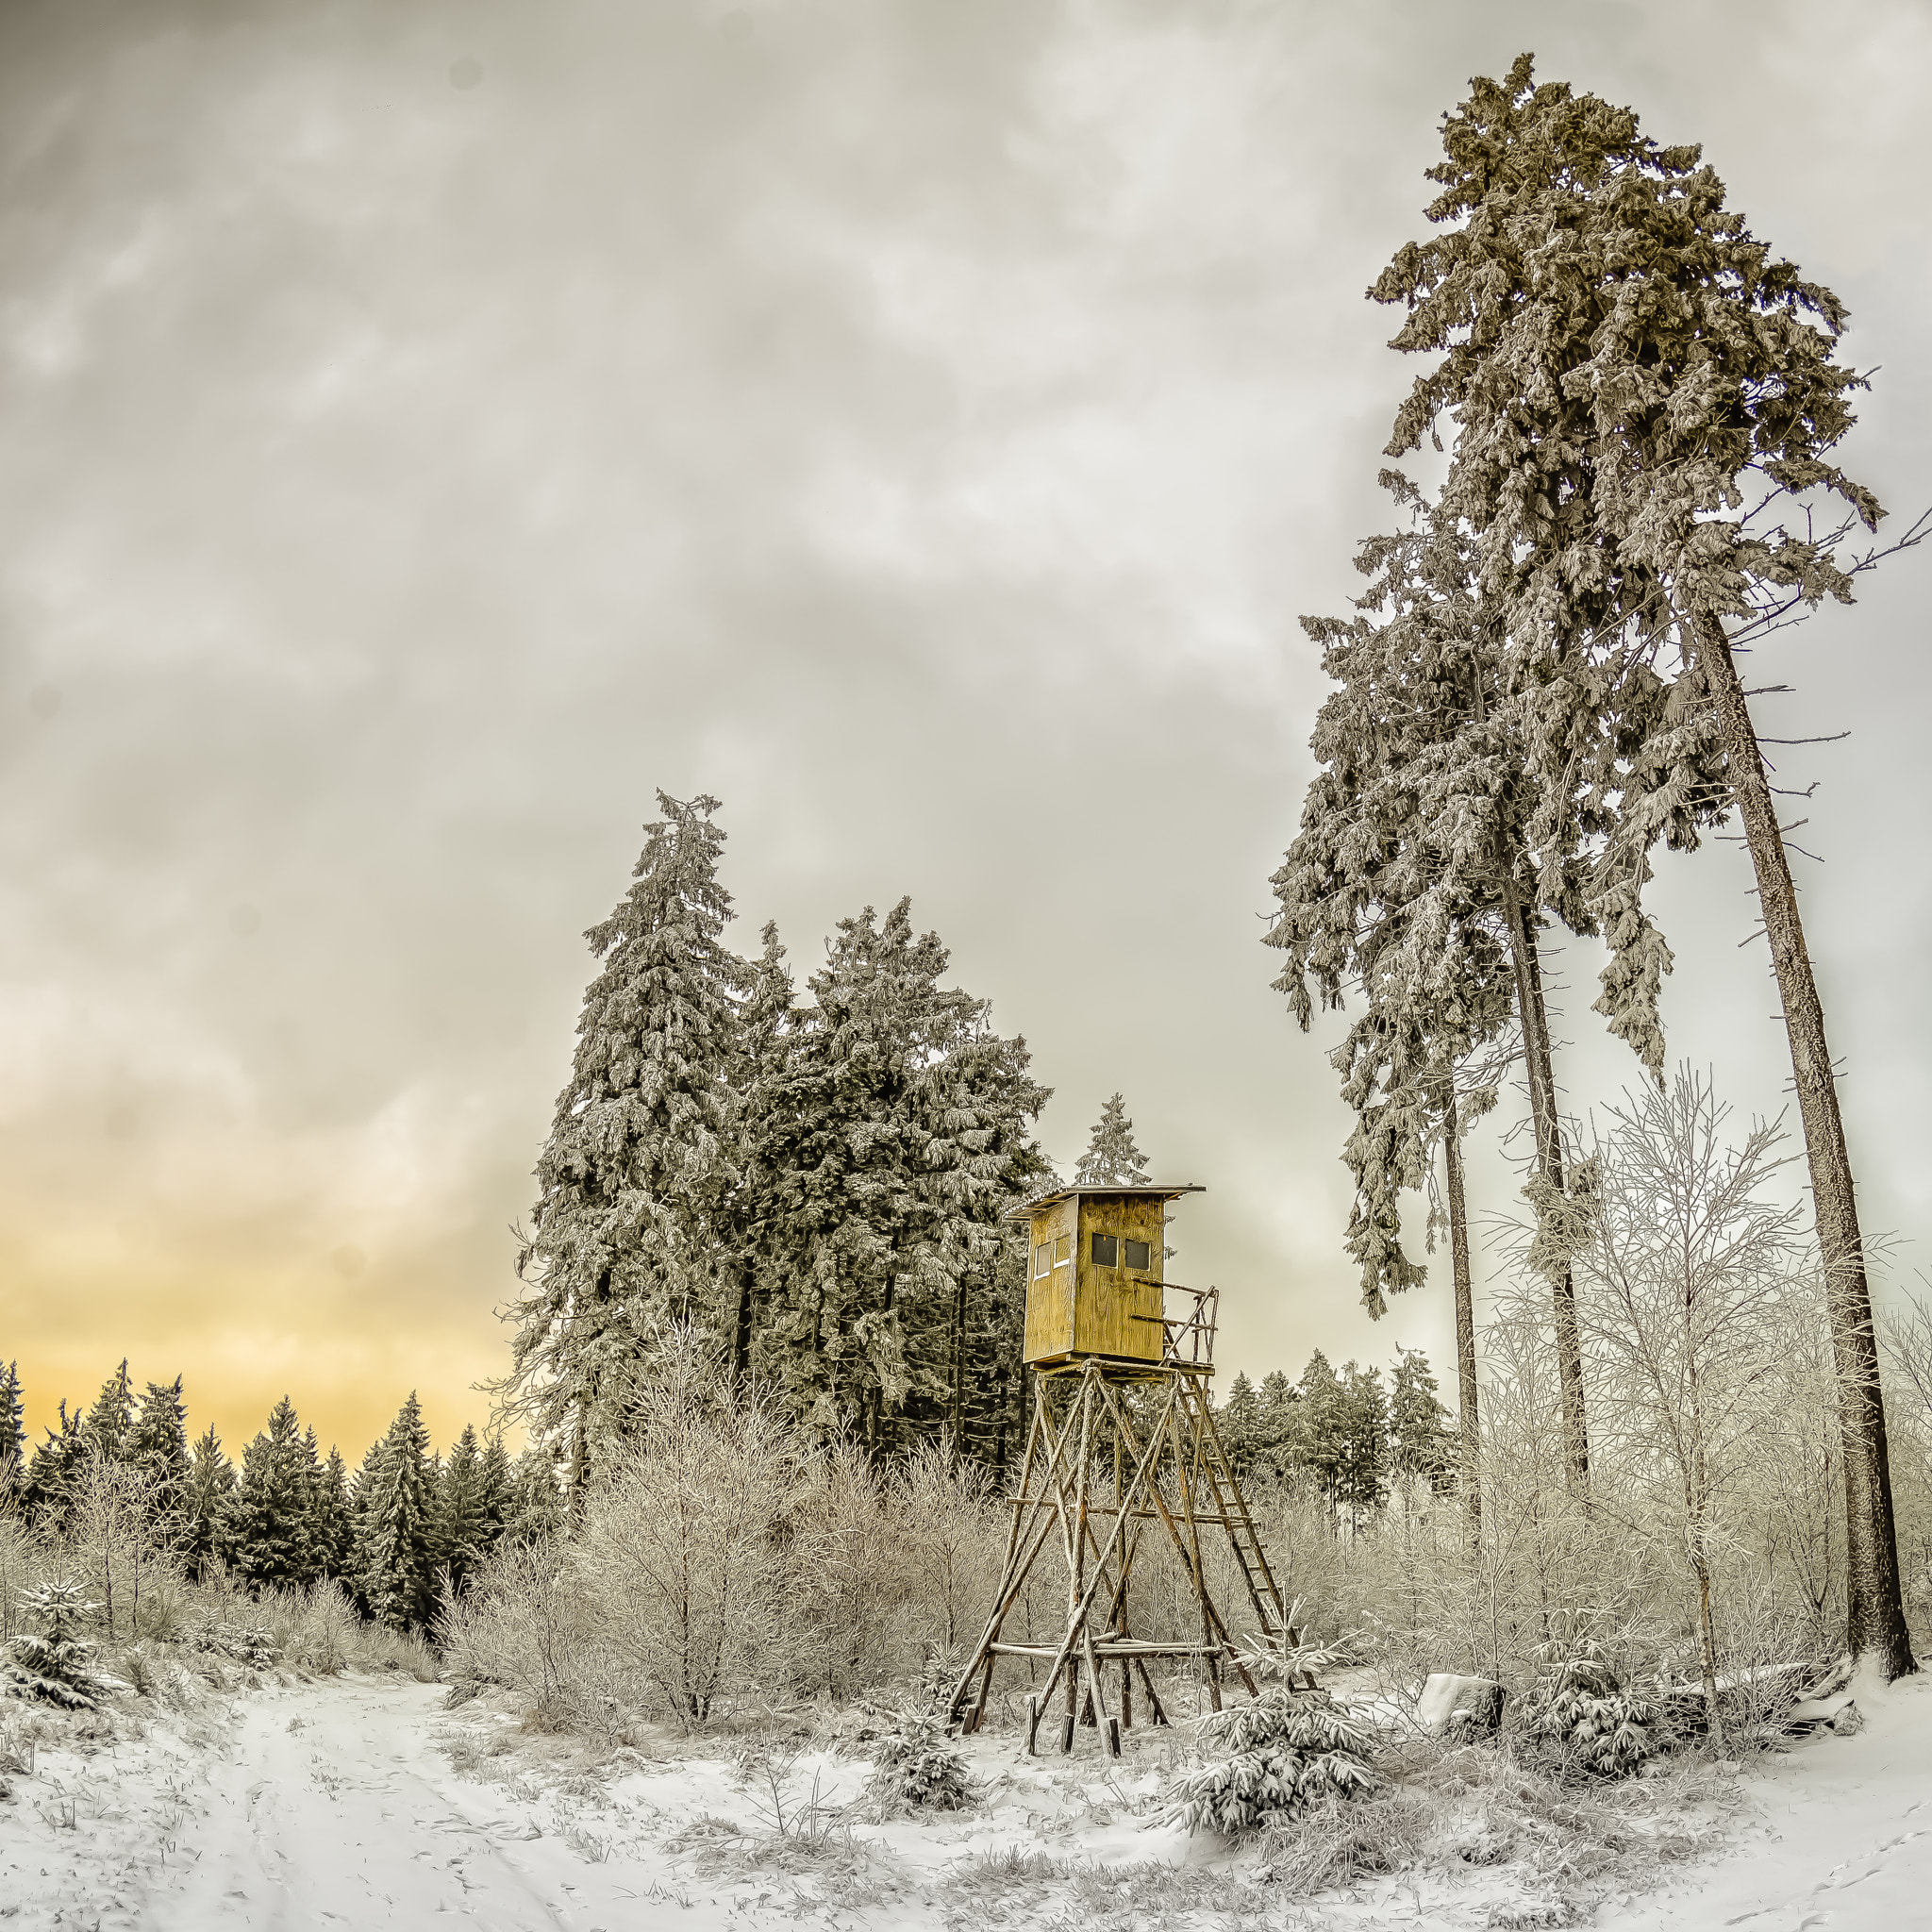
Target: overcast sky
428,429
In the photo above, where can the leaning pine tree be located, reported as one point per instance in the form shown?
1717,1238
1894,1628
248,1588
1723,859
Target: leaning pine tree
1642,394
633,1184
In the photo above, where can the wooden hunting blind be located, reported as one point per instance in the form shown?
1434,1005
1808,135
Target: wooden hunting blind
1094,1287
1124,1460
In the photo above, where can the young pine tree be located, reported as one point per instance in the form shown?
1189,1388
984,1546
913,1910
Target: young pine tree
1111,1158
393,1525
634,1180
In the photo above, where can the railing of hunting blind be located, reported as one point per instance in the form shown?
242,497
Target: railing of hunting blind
1190,1339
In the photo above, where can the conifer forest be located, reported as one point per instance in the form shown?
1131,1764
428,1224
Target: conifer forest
863,1485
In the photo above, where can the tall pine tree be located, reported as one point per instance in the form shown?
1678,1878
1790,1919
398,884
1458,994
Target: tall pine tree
627,1230
268,1527
898,1132
393,1529
1643,393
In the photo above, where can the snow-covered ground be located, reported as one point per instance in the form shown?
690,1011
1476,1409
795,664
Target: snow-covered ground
359,1802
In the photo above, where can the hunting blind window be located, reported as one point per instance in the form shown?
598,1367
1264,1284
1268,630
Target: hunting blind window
1107,1249
1063,1251
1043,1259
1137,1254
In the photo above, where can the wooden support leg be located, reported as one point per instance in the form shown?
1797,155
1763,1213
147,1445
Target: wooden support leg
1126,1694
1154,1703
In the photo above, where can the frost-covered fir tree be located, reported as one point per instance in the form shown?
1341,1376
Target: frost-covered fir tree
112,1418
463,1532
535,1507
632,1185
58,1460
332,1517
158,1446
211,1485
1419,1446
12,1438
765,1039
494,1485
1112,1159
269,1529
392,1526
1449,813
1645,401
898,1132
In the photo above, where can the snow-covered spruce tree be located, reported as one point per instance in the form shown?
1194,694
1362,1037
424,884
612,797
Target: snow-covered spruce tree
53,1664
332,1516
633,1181
268,1527
158,1446
1270,1759
1419,1447
12,1438
463,1531
493,1489
110,1419
392,1528
764,1049
1643,397
50,1476
898,1132
1111,1158
1411,885
211,1485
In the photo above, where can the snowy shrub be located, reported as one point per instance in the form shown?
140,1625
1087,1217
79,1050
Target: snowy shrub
53,1665
252,1645
680,1554
1274,1757
1582,1712
918,1769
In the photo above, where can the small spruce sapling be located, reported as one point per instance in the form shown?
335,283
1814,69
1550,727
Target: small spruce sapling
918,1769
1273,1759
1582,1711
54,1665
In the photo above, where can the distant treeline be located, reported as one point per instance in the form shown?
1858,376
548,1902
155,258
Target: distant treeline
1341,1432
287,1515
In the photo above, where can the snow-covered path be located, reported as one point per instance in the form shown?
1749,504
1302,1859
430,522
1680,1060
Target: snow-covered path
305,1806
1843,1838
314,1806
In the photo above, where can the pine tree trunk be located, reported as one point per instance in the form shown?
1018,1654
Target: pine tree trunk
1538,1061
741,1333
1873,1605
1465,1331
957,1419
